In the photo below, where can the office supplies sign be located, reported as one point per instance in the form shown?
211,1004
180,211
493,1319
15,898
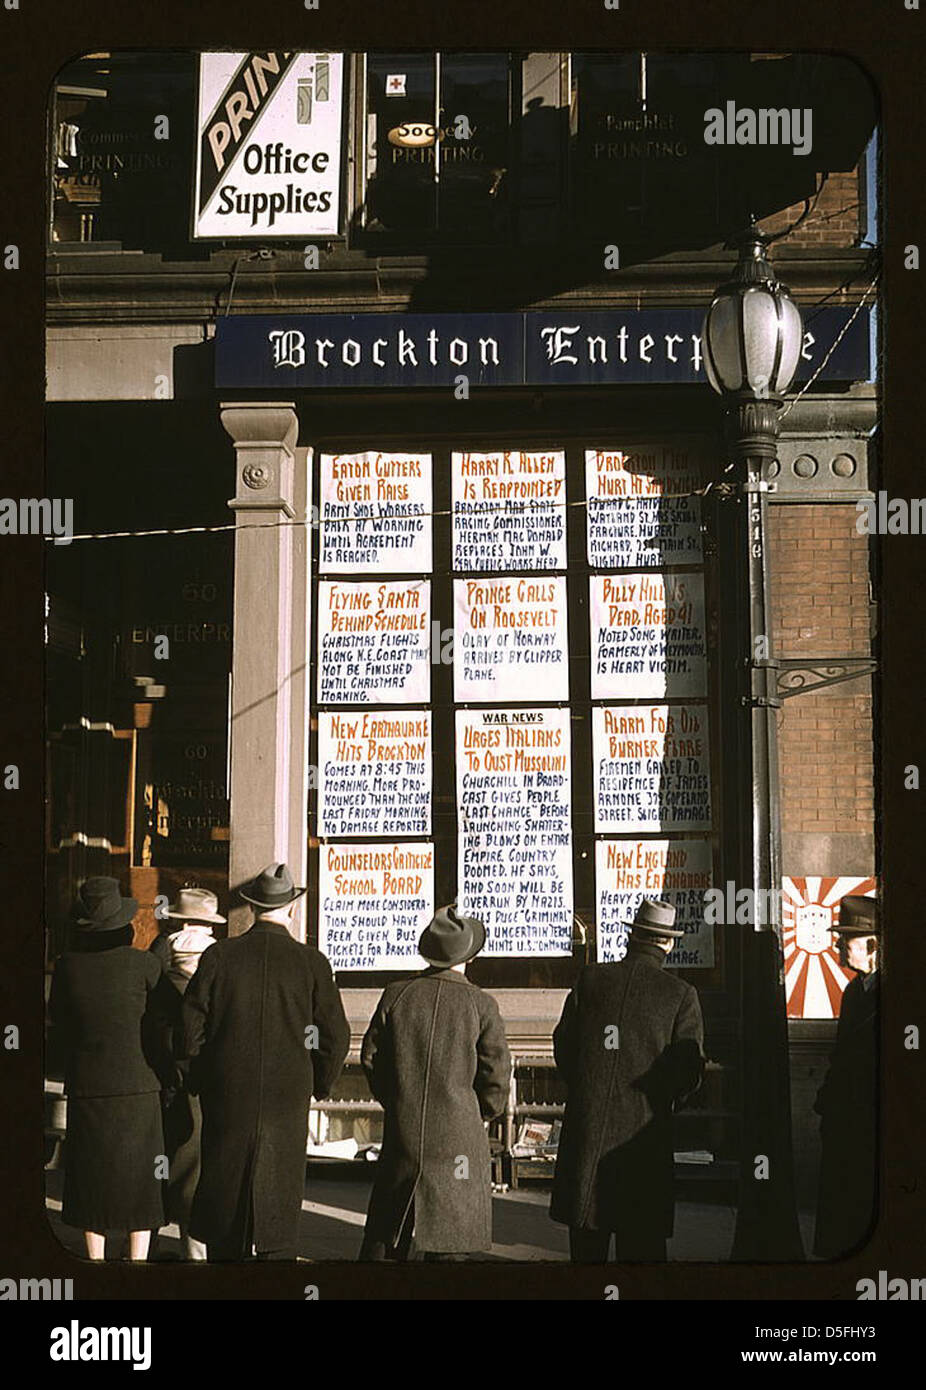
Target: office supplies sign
268,158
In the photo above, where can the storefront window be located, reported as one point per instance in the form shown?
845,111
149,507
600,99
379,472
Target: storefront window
640,162
514,695
121,150
437,145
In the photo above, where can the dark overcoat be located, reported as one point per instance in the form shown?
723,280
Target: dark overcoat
848,1104
110,1008
614,1166
436,1059
245,1015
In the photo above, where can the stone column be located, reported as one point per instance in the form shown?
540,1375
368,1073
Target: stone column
269,691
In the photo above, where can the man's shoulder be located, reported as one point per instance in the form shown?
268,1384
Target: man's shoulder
610,975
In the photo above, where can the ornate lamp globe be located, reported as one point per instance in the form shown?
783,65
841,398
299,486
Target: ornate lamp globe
752,334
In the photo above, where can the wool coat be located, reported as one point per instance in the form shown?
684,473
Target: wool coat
110,1009
245,1016
614,1164
848,1104
436,1059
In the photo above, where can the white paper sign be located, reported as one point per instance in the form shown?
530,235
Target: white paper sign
374,903
374,642
268,156
510,639
374,773
375,513
679,871
647,635
514,828
509,510
651,768
637,514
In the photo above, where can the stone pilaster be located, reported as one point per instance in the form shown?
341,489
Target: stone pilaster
269,693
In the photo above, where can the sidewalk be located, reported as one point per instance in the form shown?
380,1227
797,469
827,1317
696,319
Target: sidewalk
334,1210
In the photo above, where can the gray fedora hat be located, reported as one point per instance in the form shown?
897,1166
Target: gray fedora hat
657,917
273,887
100,905
450,939
195,905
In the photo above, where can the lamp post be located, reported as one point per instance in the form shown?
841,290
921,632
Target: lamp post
752,339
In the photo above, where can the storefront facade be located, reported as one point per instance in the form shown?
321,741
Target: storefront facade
460,629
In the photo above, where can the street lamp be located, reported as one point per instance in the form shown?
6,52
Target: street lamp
751,341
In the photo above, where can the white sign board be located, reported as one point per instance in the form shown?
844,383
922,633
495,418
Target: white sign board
510,639
651,768
374,903
268,145
375,513
640,511
509,510
374,644
374,773
648,636
678,871
514,828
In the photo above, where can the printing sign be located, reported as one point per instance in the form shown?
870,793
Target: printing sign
268,158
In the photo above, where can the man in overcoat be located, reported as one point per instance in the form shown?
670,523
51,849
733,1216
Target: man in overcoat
265,1030
629,1046
436,1059
848,1098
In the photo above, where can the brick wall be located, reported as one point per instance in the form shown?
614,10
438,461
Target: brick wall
819,605
837,218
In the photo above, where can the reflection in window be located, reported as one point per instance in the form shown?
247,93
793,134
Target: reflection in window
121,142
437,144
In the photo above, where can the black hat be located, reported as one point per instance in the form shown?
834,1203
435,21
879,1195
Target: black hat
273,887
449,939
657,918
858,916
100,905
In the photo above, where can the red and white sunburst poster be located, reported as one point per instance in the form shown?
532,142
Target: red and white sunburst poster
814,979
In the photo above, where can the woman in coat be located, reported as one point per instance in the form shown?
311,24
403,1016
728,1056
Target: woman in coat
105,1005
436,1059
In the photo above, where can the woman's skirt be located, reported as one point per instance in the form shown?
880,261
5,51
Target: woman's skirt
113,1154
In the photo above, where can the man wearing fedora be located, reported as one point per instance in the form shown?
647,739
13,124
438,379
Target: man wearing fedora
190,921
848,1099
629,1046
265,1030
436,1059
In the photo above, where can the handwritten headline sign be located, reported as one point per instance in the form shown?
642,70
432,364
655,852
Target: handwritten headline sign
514,835
509,510
374,643
636,516
375,513
374,773
374,903
510,639
678,871
652,768
647,635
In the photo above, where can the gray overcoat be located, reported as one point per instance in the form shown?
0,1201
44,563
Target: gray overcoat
614,1167
436,1059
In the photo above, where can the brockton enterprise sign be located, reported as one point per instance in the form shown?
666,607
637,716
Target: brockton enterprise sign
510,349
